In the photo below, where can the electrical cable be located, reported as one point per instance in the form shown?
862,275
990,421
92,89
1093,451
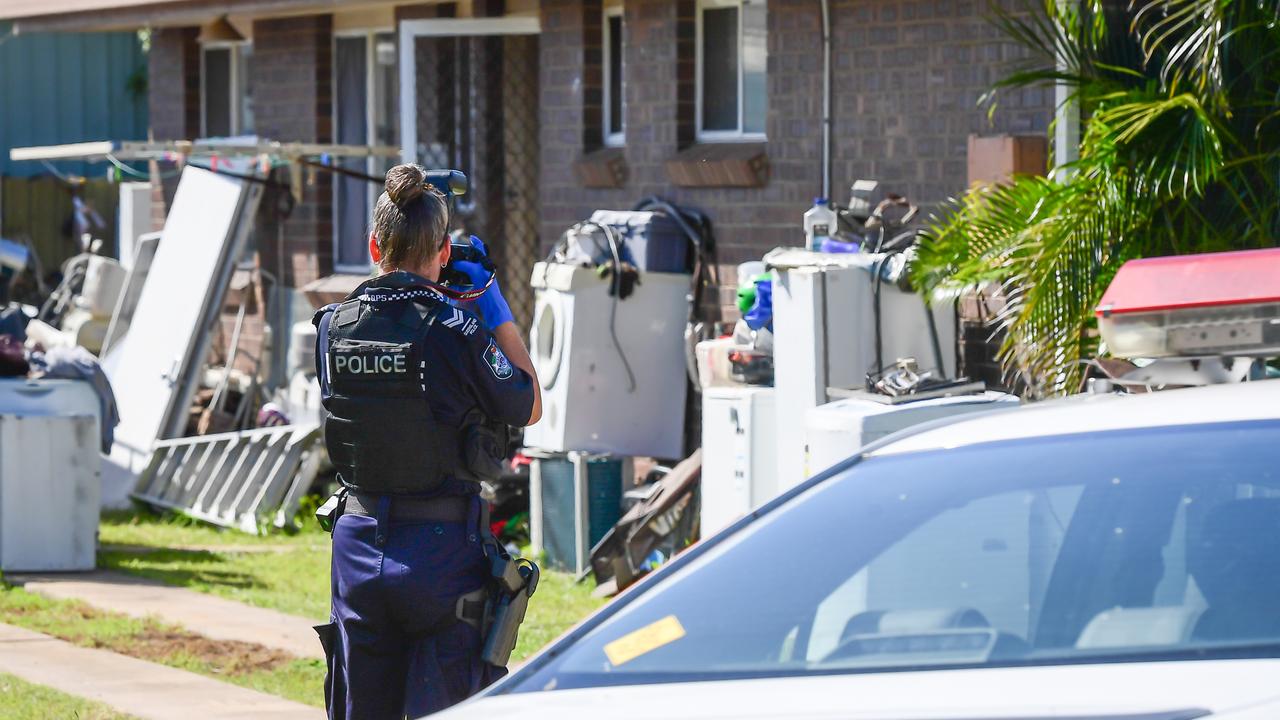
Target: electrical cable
877,269
65,179
274,184
705,270
339,170
617,296
617,291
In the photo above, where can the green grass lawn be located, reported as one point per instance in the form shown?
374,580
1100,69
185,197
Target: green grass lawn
251,666
20,700
289,572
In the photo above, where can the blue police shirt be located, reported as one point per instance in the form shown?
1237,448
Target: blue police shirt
466,370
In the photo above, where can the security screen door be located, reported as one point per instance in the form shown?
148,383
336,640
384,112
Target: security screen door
366,113
470,102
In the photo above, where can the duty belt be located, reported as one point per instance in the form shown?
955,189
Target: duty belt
406,509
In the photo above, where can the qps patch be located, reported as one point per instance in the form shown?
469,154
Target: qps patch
498,362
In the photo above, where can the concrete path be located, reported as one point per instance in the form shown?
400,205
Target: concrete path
203,614
136,687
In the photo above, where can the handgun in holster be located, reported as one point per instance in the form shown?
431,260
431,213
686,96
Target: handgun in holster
328,513
513,583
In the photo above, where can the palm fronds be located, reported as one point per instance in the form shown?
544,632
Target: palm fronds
1180,152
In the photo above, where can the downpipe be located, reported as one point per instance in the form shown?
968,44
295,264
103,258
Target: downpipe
826,98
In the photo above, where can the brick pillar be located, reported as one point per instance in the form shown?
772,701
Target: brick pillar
173,100
660,69
565,88
293,70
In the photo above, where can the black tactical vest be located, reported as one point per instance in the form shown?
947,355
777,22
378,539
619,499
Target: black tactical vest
379,429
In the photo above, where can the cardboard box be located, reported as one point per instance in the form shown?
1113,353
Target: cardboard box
997,158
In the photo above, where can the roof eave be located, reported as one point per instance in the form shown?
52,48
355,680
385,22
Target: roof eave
174,14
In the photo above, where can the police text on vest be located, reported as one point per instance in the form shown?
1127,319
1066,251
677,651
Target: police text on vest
370,364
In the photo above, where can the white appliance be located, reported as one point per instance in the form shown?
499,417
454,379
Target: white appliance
133,218
835,431
739,465
589,400
824,335
49,475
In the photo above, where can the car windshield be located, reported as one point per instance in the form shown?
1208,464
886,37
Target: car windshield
1153,544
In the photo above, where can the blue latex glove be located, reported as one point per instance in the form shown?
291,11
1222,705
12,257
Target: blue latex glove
491,305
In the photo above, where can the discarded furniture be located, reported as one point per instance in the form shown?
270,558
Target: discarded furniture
652,531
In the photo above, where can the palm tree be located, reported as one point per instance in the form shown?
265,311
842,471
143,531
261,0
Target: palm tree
1179,153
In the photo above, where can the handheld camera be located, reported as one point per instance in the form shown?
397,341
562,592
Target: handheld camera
451,184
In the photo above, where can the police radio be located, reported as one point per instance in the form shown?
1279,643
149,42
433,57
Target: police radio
451,184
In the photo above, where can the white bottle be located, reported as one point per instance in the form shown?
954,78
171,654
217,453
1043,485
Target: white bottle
819,223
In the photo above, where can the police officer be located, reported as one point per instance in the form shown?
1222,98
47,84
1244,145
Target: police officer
410,384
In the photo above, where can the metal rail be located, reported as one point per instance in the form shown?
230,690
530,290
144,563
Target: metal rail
245,480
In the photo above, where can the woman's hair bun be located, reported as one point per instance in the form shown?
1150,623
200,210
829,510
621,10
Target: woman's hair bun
405,183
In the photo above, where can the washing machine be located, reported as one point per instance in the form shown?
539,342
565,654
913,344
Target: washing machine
612,371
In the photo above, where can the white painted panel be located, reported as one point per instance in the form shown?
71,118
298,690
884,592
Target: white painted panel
49,505
134,219
146,368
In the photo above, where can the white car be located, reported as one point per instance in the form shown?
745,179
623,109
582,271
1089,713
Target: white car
1095,558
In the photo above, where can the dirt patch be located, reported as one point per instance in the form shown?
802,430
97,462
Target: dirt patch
227,657
83,625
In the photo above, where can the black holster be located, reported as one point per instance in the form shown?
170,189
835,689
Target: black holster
514,582
328,513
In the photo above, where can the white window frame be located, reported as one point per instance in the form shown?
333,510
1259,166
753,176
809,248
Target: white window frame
370,36
237,81
442,27
722,135
617,139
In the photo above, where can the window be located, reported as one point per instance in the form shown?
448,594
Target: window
731,69
226,97
365,113
614,88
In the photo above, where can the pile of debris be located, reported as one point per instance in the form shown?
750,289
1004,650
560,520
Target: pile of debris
184,331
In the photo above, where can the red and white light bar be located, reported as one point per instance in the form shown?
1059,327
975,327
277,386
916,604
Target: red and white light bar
1194,306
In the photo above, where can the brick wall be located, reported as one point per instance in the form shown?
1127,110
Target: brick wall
173,100
292,75
173,97
908,76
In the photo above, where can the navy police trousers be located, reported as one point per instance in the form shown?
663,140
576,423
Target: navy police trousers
394,644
